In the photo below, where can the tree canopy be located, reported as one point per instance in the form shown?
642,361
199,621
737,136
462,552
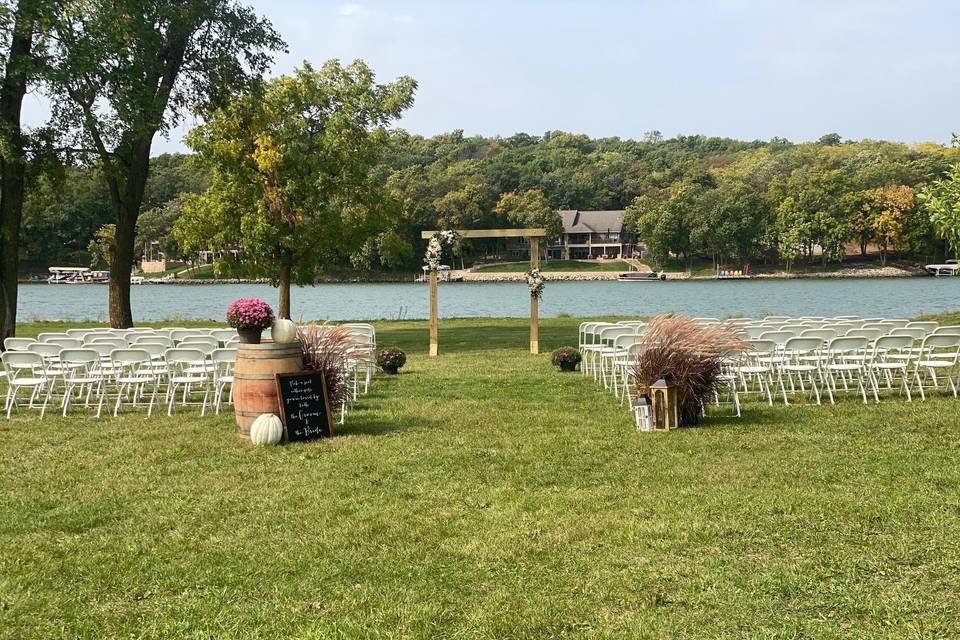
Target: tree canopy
292,172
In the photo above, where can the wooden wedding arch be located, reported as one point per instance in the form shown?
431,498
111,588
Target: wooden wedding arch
533,237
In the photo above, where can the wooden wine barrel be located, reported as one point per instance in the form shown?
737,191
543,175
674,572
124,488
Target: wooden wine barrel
254,384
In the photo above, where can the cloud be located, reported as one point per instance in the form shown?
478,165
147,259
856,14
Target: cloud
361,12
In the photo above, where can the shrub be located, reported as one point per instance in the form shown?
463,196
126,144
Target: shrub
391,358
249,313
566,358
691,354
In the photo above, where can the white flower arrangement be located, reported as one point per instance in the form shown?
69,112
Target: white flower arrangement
536,283
438,241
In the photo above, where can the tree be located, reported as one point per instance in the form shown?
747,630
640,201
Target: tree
887,209
291,178
21,25
530,209
941,200
830,139
101,247
124,70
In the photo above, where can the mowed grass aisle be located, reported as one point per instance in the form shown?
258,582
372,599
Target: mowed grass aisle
483,494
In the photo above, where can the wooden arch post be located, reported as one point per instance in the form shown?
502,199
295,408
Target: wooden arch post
533,237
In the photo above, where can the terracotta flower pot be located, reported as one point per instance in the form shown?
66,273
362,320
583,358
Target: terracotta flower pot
249,336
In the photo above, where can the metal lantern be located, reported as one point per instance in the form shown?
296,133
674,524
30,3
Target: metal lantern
664,404
643,413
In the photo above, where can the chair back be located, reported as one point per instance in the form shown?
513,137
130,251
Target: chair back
947,329
66,343
847,344
824,334
929,326
940,346
885,346
869,334
155,350
154,339
179,335
802,345
224,335
23,364
760,347
17,344
114,341
917,333
780,337
45,337
49,352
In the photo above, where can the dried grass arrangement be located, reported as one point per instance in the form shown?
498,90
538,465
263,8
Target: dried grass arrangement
693,355
330,349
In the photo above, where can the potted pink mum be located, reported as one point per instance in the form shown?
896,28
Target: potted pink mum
249,316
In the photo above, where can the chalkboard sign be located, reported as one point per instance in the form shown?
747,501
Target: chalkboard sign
304,406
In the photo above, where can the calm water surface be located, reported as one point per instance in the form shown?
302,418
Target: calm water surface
866,297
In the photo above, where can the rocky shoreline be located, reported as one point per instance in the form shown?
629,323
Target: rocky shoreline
852,271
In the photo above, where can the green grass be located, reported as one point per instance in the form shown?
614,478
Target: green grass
557,265
483,494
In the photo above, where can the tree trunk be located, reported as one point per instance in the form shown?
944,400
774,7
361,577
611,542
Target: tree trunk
13,162
126,209
284,289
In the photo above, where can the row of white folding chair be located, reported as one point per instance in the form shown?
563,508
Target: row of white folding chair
360,362
89,369
851,359
598,341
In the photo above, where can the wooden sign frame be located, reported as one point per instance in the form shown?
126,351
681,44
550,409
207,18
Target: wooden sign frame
534,236
326,402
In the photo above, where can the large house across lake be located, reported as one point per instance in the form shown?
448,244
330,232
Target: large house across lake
587,235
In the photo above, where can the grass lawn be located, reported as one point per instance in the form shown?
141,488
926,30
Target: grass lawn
483,494
557,265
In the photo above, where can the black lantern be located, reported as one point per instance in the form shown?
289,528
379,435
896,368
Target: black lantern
663,394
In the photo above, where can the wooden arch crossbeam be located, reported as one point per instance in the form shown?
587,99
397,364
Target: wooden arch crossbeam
533,236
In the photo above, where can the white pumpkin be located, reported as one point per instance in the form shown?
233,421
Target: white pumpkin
284,331
266,429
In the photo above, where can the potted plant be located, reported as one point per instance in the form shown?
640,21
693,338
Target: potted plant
567,358
249,316
391,359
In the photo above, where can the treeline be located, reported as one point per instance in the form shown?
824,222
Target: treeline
690,196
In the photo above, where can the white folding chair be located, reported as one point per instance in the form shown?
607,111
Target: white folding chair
798,368
83,376
223,361
837,362
884,362
133,374
26,370
187,371
938,357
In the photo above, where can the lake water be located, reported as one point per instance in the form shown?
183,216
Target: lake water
375,301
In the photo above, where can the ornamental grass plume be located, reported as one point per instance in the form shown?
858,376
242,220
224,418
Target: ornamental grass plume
691,354
331,349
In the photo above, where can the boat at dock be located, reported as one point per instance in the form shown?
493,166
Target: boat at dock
948,268
642,276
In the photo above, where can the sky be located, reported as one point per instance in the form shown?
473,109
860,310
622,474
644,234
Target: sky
748,69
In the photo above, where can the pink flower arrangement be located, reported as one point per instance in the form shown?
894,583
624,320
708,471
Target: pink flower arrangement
249,313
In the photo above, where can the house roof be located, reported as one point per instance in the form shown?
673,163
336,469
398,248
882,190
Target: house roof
576,221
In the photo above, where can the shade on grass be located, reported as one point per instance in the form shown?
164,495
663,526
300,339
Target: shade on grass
483,494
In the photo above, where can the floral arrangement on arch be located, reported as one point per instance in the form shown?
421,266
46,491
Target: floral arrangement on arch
438,241
249,313
536,283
